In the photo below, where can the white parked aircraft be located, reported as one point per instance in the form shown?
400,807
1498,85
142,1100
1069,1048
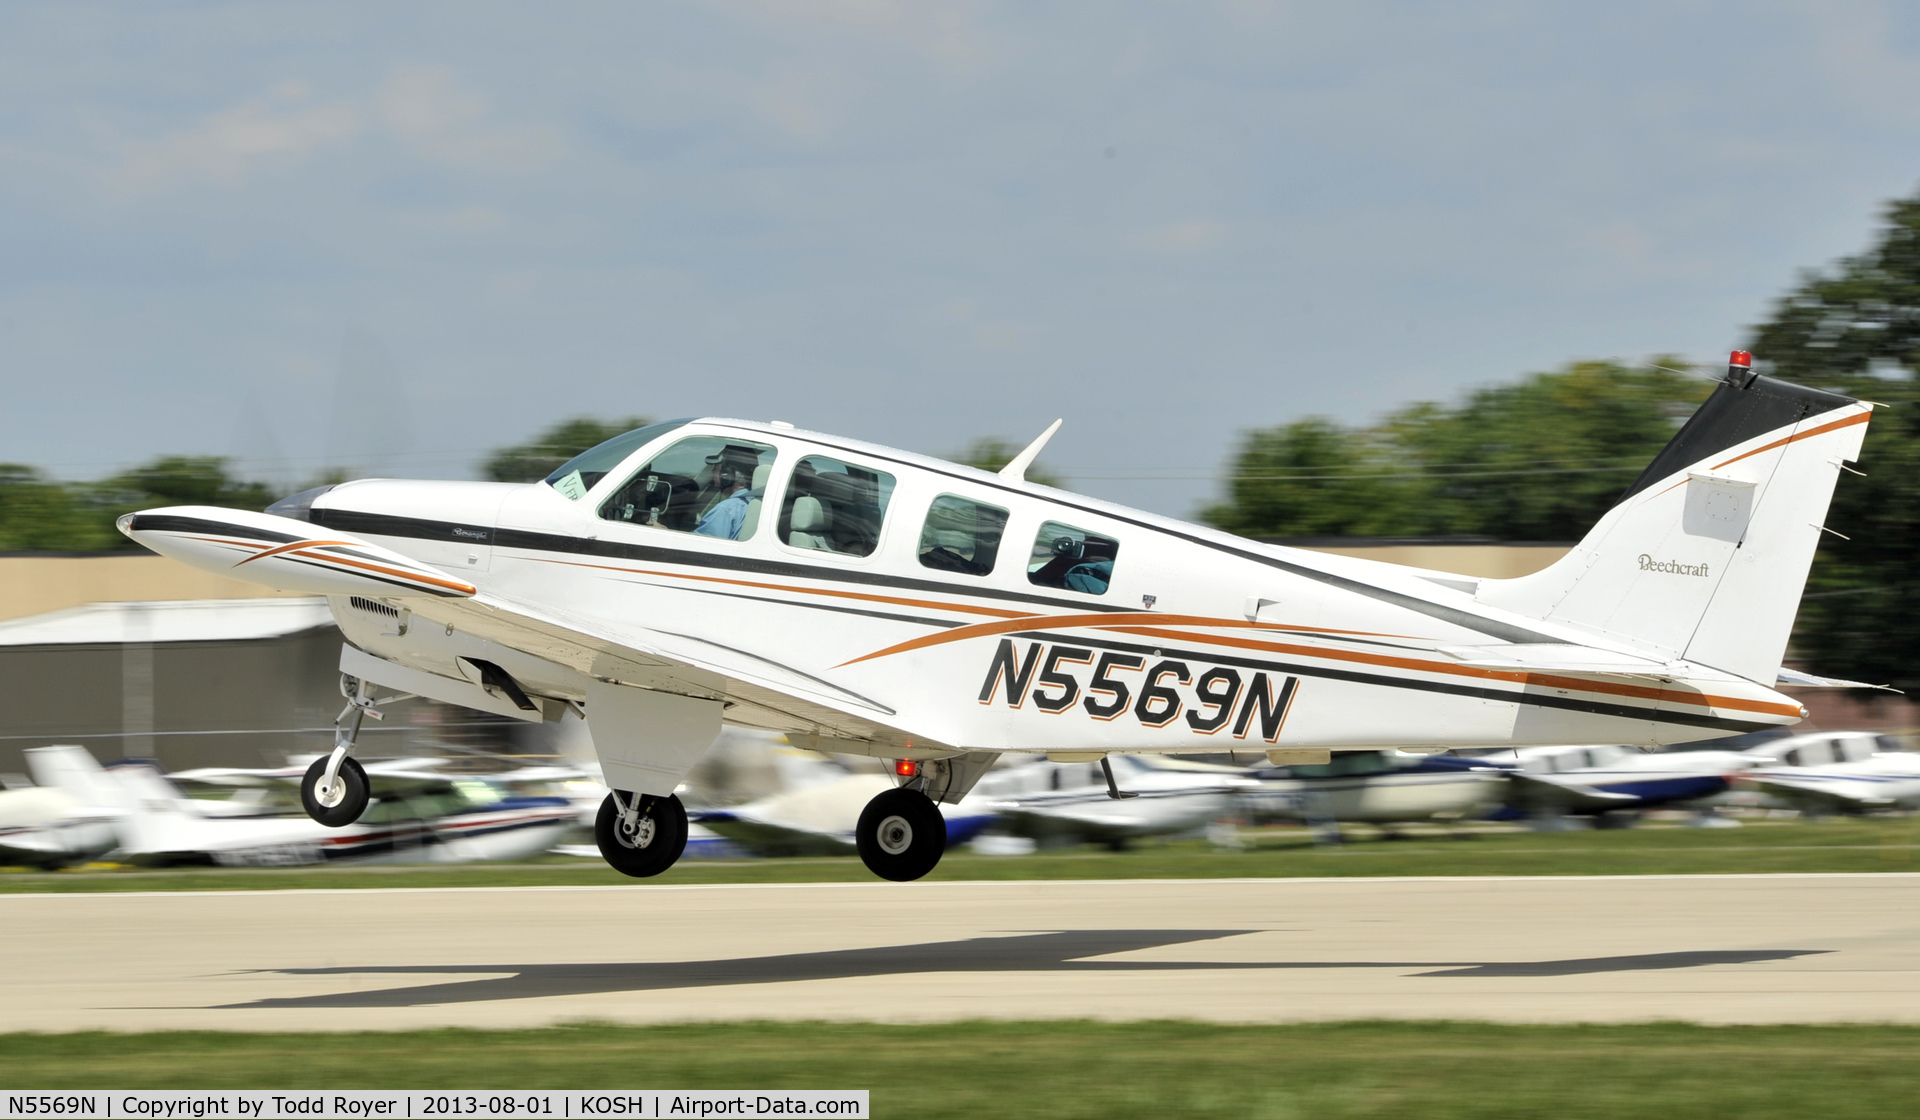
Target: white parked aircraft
872,601
1848,772
49,824
1378,787
1606,778
1074,803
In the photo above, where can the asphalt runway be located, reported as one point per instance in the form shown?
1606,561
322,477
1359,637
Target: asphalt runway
1717,949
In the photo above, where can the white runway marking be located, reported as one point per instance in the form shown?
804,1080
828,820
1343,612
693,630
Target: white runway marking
1720,948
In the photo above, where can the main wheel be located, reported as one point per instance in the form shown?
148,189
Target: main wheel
901,835
651,846
341,804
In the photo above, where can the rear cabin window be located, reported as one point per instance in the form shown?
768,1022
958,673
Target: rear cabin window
834,506
710,486
961,535
1072,559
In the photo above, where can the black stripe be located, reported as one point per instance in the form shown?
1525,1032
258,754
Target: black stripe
1567,703
1731,417
174,523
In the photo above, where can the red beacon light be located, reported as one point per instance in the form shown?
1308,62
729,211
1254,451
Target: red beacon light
906,768
1740,369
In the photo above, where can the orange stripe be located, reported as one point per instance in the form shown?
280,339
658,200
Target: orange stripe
1831,426
1859,418
1121,620
420,577
292,547
1523,677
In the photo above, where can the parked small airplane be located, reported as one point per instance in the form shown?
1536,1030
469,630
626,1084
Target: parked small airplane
425,819
1056,804
871,601
1847,772
43,825
1378,787
1605,778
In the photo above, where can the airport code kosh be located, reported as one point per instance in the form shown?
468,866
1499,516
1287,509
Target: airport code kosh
1166,691
704,1104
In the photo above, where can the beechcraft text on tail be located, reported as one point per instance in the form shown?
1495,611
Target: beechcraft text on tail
871,601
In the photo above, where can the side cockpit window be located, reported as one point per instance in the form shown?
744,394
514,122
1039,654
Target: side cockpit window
708,485
1072,559
961,535
834,506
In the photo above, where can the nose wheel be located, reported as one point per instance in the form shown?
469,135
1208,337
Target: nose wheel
340,802
640,835
901,835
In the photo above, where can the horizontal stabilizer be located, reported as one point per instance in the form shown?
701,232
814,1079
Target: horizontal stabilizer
1797,679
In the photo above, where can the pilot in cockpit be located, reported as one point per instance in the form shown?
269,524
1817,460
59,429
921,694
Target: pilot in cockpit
733,483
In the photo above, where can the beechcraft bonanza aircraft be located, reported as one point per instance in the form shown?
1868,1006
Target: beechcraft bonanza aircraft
871,601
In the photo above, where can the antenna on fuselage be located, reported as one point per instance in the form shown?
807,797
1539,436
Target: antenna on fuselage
1016,469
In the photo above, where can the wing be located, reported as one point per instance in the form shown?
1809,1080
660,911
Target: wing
1820,792
1548,793
759,690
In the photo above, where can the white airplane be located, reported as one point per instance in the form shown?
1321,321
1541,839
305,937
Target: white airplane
1378,787
44,825
869,601
440,819
1075,803
1594,780
1848,772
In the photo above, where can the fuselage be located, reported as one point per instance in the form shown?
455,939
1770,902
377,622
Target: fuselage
978,612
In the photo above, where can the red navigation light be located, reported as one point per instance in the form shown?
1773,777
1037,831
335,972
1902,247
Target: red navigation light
906,767
1740,359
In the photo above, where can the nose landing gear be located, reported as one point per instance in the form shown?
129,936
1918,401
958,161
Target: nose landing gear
335,790
901,835
640,835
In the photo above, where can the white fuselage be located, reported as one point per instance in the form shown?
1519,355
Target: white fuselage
1238,643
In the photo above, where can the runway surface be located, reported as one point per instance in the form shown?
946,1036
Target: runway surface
1732,949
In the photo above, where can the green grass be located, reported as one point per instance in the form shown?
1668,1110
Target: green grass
1434,1070
1872,844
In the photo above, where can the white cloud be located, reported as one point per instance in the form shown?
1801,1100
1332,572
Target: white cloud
228,147
1184,238
432,115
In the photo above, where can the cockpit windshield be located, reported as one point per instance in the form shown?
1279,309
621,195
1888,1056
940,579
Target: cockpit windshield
577,475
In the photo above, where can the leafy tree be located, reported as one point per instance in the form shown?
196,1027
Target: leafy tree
1855,327
990,453
1540,459
38,515
533,461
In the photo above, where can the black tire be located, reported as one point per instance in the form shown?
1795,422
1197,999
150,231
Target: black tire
901,835
662,836
348,809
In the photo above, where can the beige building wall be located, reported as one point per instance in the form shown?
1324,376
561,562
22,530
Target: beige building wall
31,585
1488,561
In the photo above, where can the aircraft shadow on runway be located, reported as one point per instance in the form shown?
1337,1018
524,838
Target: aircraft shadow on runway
1058,951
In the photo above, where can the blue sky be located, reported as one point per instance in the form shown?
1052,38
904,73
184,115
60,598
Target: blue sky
396,236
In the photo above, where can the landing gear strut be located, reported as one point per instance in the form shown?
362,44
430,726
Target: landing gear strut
335,790
901,835
640,835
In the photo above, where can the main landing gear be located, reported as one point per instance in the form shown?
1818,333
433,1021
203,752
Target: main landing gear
640,835
901,835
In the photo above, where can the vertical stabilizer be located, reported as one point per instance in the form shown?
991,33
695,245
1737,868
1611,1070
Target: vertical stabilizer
1706,554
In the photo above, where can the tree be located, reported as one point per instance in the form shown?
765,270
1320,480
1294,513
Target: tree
1540,459
1855,327
990,453
533,461
40,515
